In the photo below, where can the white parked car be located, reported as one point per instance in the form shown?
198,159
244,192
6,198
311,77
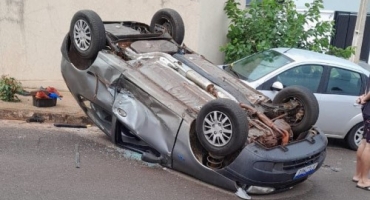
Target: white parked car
336,83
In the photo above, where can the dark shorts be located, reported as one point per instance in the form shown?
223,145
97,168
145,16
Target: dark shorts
366,127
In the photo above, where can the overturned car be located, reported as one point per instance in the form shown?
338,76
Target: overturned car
152,95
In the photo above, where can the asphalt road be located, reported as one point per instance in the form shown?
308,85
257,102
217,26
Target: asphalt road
38,161
333,180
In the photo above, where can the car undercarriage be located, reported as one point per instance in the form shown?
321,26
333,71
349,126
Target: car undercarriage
152,95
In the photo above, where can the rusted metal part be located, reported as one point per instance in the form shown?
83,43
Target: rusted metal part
285,128
214,162
124,44
299,114
269,138
260,115
261,126
280,127
212,90
290,105
280,116
268,141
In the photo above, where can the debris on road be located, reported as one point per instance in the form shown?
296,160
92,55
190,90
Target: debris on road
77,157
36,118
70,125
335,169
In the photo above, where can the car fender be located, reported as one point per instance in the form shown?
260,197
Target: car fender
355,120
154,125
184,160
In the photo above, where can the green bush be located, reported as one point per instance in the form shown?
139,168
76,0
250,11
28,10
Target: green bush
270,23
8,88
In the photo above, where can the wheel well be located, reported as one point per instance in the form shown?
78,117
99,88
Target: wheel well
195,145
76,59
349,131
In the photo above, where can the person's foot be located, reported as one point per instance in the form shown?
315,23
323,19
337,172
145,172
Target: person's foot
363,183
364,187
355,179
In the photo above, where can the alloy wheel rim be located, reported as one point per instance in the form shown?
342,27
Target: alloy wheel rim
82,35
358,135
217,128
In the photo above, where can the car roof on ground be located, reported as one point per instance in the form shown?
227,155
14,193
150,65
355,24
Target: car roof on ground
302,55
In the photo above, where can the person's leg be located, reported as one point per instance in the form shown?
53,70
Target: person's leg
361,148
359,152
364,181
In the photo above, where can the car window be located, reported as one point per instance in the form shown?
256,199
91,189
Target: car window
305,75
344,82
258,65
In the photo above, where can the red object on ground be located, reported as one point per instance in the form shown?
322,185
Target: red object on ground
53,90
41,95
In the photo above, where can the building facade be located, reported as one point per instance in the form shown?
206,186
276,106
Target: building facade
31,31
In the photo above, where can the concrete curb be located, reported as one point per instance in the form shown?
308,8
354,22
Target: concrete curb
66,111
65,118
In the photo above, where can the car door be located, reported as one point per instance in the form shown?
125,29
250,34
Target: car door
338,110
336,90
307,75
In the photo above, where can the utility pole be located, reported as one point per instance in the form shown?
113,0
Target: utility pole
358,34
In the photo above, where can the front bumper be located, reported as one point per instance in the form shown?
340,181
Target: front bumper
278,167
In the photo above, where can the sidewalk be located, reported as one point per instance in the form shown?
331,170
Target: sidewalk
66,110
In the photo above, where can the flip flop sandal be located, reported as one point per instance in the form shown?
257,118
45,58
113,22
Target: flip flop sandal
354,180
367,188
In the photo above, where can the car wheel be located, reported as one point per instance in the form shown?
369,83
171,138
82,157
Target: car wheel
355,136
306,116
87,33
222,127
168,20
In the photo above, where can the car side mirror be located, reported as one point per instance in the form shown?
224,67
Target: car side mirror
277,86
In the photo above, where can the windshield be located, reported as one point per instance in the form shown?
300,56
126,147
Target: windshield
258,65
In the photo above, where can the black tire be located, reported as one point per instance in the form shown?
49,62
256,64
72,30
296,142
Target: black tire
172,21
228,112
355,136
93,33
308,103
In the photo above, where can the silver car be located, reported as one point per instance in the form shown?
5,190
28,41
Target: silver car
336,83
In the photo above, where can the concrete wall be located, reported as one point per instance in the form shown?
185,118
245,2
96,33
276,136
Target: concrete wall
336,5
344,5
212,29
31,31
